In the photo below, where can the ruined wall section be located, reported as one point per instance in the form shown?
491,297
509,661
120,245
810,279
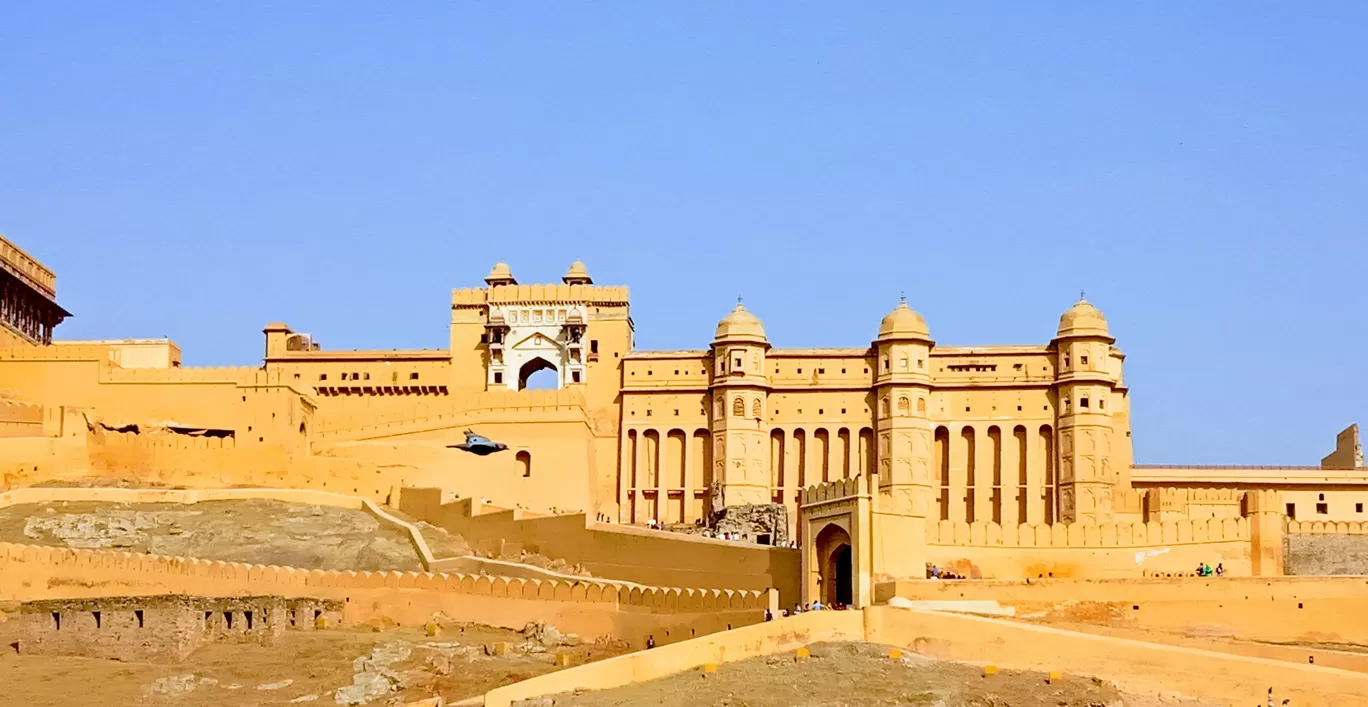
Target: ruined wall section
1319,548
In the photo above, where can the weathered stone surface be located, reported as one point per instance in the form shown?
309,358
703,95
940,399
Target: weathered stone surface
753,521
1325,554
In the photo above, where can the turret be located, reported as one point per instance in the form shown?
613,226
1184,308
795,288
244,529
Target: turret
1088,472
906,488
739,390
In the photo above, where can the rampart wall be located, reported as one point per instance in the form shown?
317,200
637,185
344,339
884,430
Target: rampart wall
988,550
589,608
613,551
1320,548
1275,609
1139,666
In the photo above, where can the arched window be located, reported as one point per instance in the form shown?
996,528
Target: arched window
524,461
921,406
756,409
738,407
883,406
720,403
903,405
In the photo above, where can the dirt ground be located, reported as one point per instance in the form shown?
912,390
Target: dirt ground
254,531
857,675
303,667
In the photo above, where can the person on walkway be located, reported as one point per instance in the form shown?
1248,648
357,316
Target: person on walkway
650,642
1220,570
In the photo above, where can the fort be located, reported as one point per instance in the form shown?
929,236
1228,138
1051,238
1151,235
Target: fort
1009,465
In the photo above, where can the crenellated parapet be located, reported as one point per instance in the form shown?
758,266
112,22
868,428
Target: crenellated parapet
1084,535
834,491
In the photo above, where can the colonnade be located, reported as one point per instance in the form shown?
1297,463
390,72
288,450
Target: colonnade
1004,475
25,312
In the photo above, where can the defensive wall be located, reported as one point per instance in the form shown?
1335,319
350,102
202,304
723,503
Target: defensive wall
1275,609
1140,666
586,607
1325,548
614,551
988,550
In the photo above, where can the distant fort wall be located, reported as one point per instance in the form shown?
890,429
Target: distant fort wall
589,608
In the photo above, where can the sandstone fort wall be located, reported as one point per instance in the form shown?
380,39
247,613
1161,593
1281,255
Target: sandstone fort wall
589,608
617,552
1322,548
1223,678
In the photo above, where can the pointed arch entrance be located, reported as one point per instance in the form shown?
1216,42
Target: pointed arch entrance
545,381
835,566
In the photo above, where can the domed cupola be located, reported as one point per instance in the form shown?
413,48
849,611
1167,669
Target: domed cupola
903,323
741,326
500,274
1082,319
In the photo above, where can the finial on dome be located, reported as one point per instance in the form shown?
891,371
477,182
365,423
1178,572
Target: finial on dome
1082,295
902,297
738,299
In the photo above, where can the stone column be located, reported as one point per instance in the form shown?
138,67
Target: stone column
1264,511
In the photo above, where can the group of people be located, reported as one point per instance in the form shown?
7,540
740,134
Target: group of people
803,608
654,524
934,572
1204,570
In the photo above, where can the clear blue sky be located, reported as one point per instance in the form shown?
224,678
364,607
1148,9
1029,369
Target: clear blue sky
195,170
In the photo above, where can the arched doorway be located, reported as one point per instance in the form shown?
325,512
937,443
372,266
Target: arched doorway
538,374
835,566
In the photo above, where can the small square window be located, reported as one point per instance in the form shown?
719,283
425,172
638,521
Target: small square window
1082,360
498,377
649,372
575,376
821,411
1322,508
676,413
966,409
296,376
800,370
820,371
1018,408
1083,402
842,370
921,363
842,411
676,371
1358,507
322,376
866,370
737,364
1102,404
413,376
648,413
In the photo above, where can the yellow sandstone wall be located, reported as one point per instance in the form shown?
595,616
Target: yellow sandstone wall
1140,666
613,551
987,550
1284,609
588,608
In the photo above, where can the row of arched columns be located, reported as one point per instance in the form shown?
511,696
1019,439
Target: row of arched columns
1003,474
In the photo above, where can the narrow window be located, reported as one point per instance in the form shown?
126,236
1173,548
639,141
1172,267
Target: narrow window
1083,402
593,346
885,364
96,614
737,365
248,615
524,460
575,376
1292,511
921,363
738,408
57,621
1358,507
498,376
1102,404
1066,360
228,619
367,376
138,614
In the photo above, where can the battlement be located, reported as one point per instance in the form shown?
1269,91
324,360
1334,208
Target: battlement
27,268
837,490
1080,535
1318,527
120,574
539,294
